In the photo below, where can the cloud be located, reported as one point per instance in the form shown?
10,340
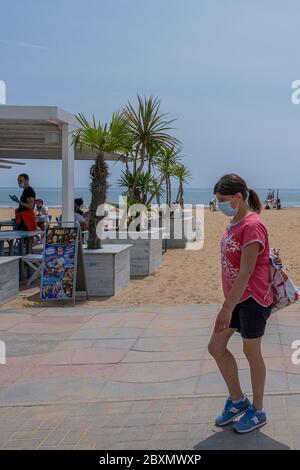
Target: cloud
23,44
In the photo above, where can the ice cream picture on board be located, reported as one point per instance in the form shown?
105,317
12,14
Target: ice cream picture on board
59,263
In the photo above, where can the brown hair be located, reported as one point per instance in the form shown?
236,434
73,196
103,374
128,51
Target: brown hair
231,184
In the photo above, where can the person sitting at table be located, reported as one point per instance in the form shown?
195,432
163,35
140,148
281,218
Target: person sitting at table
79,215
25,216
78,203
41,213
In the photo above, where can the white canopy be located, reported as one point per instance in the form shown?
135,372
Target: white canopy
44,132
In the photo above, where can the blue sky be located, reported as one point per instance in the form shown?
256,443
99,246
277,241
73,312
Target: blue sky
223,67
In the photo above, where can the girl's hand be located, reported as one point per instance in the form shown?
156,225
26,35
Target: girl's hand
223,320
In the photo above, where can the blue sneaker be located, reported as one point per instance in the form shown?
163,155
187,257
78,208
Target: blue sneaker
251,420
232,410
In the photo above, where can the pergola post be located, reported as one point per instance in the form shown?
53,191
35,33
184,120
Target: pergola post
67,174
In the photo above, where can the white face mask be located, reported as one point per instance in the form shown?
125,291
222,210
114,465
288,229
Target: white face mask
227,209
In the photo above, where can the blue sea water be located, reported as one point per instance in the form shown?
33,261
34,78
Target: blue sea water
52,196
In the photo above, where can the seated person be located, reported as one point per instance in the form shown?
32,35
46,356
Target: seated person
41,213
82,220
79,215
78,203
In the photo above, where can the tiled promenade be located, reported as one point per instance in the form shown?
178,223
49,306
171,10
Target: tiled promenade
113,378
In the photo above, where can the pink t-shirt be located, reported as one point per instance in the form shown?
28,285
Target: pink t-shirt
237,235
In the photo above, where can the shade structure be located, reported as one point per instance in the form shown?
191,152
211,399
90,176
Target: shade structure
8,163
44,132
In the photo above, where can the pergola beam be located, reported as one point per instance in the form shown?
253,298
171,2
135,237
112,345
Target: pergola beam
13,163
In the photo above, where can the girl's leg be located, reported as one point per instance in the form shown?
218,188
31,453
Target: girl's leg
252,351
226,362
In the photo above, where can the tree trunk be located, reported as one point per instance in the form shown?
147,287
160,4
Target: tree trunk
181,195
139,170
98,188
179,198
169,190
166,190
126,163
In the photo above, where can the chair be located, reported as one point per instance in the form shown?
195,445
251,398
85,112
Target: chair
84,236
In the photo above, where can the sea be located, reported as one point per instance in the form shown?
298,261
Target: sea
52,196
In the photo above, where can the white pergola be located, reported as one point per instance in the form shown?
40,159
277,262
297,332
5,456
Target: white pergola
44,132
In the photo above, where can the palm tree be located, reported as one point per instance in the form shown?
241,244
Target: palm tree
145,186
184,176
149,131
157,189
167,162
99,138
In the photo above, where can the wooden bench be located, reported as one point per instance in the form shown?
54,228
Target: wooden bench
34,261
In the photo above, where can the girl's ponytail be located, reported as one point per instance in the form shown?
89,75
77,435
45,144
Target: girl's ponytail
254,201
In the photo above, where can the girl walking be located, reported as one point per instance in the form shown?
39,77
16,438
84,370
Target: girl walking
248,300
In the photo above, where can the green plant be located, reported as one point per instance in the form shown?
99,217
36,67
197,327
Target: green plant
99,138
149,134
184,176
167,162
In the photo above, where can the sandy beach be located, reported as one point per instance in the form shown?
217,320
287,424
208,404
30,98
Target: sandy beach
194,276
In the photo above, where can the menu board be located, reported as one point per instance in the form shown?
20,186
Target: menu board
58,280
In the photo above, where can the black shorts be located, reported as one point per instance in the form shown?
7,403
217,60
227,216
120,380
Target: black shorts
250,318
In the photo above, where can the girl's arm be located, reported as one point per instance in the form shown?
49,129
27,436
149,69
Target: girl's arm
248,262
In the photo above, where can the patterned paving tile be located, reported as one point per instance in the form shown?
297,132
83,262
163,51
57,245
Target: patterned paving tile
38,327
147,390
108,332
104,371
179,343
156,372
158,356
153,363
52,390
98,356
172,331
9,321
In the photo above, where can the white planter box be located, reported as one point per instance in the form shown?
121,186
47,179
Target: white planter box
145,253
107,269
179,229
9,278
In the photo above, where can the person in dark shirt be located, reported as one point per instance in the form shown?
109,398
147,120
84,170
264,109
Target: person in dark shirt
27,198
25,217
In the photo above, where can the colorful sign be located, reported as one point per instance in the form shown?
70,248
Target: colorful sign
59,263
